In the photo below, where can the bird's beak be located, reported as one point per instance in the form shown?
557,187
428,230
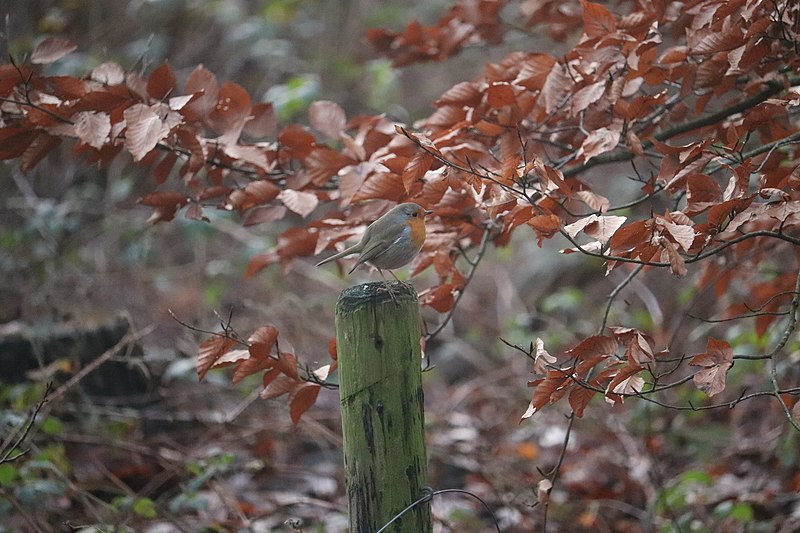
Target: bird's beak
428,212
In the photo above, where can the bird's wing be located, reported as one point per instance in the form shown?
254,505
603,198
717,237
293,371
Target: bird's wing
378,247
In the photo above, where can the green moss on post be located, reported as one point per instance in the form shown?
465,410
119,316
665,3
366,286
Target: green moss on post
380,386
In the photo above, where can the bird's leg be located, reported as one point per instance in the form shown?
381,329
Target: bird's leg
389,287
406,283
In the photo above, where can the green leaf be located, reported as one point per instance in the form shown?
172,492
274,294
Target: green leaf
52,426
7,474
145,507
740,512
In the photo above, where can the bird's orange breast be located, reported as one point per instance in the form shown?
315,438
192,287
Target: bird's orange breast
417,226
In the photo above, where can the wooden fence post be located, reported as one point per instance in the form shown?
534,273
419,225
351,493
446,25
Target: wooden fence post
380,386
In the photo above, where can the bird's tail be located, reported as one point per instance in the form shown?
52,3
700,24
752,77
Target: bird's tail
344,253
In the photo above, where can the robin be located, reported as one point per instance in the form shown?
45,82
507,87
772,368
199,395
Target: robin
391,241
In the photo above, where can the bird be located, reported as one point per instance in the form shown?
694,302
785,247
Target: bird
391,241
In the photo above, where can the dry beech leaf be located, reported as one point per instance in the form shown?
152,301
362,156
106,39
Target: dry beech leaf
327,117
529,412
683,235
92,128
598,142
145,130
302,398
677,264
543,489
300,202
716,361
595,226
108,73
542,359
51,50
594,200
211,350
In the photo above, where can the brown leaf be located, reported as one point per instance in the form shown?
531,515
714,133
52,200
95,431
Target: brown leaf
163,169
14,141
92,128
250,366
108,73
543,489
595,201
300,202
287,363
529,412
542,359
557,84
302,398
676,261
534,71
327,117
463,94
416,168
579,398
163,199
204,82
51,50
323,163
42,145
280,384
256,193
545,226
587,96
164,203
702,192
626,381
598,227
161,82
442,298
598,142
683,235
639,350
262,340
596,345
231,111
264,214
262,121
500,94
548,390
211,350
145,130
711,380
716,360
597,20
297,140
381,185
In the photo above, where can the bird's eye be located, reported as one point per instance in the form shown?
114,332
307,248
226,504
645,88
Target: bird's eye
414,214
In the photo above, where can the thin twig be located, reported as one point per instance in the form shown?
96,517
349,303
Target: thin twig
473,267
7,457
773,87
787,333
611,297
124,342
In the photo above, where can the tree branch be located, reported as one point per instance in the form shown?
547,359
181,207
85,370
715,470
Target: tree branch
772,87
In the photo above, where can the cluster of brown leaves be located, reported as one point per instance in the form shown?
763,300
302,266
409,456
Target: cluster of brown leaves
699,95
281,374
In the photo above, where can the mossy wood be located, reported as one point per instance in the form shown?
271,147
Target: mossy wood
380,385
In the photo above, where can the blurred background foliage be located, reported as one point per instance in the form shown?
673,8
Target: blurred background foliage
170,454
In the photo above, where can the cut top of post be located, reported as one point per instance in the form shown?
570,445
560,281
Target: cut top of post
377,292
